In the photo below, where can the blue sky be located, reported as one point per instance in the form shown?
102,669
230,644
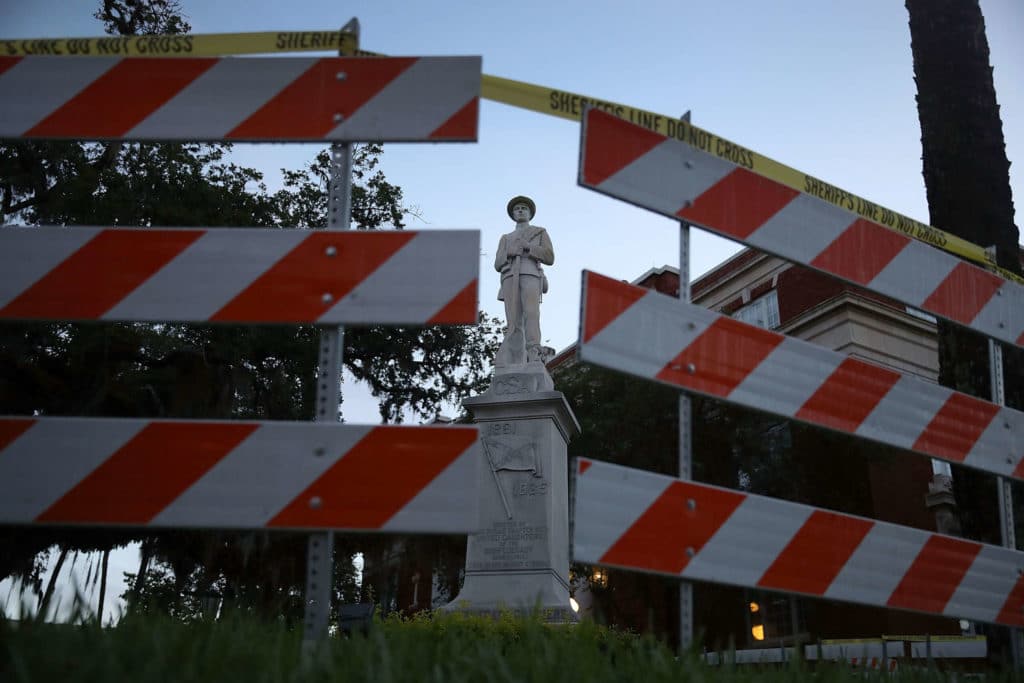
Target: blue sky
825,87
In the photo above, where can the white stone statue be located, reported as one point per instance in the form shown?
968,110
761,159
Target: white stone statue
519,558
520,259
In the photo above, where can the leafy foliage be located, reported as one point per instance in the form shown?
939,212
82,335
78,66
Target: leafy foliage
427,648
152,17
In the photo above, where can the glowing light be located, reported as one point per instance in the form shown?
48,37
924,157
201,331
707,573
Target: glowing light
758,632
754,607
575,605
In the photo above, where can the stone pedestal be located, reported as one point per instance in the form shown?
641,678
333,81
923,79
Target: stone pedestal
519,559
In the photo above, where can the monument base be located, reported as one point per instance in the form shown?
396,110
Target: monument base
511,591
519,560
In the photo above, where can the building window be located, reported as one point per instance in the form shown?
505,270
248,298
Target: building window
775,619
763,311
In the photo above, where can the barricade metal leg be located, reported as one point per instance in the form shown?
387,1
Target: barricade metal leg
1005,494
319,569
685,443
685,425
320,548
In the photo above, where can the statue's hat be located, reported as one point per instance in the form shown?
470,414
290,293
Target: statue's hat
520,199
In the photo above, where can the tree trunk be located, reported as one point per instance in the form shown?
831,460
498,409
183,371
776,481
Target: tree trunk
966,172
145,552
103,585
967,178
44,602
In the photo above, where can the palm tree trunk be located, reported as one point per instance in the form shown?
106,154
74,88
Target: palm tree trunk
966,172
967,178
966,175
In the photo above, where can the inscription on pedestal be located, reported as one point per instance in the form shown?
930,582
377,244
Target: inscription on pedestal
500,428
532,488
510,545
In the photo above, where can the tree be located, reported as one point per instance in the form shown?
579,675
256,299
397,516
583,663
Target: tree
966,175
202,371
966,172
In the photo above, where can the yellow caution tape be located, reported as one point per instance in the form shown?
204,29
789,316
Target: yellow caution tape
912,639
199,45
569,105
938,639
537,98
852,641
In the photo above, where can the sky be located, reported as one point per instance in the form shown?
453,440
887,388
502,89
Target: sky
824,87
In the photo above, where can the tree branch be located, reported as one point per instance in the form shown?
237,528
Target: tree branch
42,194
5,203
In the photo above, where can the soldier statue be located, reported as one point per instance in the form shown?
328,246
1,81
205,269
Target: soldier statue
521,256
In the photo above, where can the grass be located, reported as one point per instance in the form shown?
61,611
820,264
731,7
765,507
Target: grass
426,648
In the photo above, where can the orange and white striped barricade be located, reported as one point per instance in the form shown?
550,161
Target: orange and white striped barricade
318,476
241,99
653,336
678,179
239,275
654,523
238,475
